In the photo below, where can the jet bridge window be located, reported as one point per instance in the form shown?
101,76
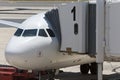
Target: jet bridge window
51,33
42,33
30,32
18,32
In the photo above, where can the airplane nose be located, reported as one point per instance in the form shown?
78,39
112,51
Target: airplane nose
21,58
13,55
18,55
21,55
24,53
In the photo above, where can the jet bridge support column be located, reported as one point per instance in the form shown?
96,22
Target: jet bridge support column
100,77
100,42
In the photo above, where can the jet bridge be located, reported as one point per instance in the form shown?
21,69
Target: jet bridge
112,30
73,25
69,23
78,27
75,28
91,28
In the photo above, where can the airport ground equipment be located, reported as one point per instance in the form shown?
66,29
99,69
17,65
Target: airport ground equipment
81,27
12,73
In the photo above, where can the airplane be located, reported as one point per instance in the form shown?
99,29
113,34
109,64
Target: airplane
35,46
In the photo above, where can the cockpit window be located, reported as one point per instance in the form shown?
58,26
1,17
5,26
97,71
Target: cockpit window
42,33
50,32
30,32
18,32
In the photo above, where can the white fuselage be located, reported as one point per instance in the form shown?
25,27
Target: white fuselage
40,52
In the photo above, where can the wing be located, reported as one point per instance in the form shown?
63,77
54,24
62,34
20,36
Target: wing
9,23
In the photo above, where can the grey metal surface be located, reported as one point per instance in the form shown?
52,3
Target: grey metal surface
30,3
112,30
92,29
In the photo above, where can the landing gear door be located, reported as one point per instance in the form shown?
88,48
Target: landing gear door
73,23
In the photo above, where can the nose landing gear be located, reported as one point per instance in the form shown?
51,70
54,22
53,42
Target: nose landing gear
51,74
47,75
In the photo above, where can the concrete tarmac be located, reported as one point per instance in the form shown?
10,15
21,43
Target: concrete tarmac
111,70
31,3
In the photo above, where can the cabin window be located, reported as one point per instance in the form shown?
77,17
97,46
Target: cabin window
42,33
30,32
18,32
50,32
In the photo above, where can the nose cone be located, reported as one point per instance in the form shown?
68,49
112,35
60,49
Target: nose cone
16,52
22,52
13,53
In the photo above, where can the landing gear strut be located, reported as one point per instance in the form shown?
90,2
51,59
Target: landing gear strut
51,74
47,75
86,67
